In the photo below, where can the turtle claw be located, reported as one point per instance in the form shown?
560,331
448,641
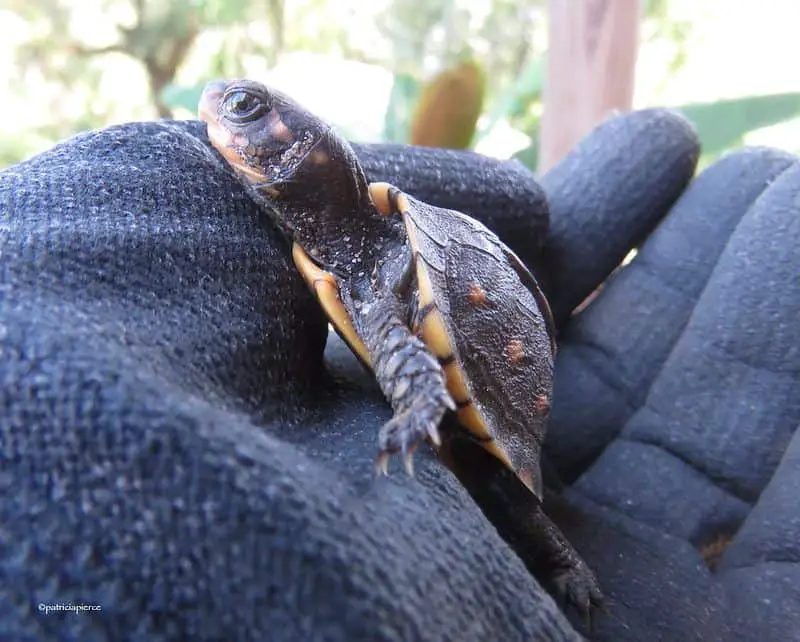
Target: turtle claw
408,464
404,433
408,458
578,588
432,430
382,464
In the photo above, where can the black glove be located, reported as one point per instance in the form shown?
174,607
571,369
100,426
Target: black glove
677,392
175,452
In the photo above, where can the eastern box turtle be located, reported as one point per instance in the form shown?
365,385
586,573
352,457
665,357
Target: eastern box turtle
434,303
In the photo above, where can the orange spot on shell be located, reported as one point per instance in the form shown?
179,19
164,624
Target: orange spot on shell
477,295
542,404
516,351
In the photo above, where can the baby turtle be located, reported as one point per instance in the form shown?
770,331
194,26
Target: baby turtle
443,312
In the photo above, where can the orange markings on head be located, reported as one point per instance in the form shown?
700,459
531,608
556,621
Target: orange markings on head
281,132
219,136
319,157
240,140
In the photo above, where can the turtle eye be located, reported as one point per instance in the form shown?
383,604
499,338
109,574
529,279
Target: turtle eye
243,106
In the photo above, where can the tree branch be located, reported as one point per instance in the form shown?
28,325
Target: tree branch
81,50
591,61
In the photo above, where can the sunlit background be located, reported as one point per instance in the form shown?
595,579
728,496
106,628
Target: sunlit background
72,65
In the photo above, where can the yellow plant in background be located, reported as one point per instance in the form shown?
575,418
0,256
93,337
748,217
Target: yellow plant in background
449,107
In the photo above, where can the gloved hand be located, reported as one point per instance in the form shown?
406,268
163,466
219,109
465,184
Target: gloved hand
176,451
677,393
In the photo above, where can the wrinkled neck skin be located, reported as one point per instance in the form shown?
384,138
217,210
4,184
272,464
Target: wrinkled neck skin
325,208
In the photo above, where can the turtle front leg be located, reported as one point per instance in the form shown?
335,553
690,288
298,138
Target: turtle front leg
410,377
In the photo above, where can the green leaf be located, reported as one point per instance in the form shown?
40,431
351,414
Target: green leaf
529,156
183,97
225,12
723,124
515,100
402,99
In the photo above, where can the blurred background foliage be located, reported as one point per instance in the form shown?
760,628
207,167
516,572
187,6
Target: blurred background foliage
454,73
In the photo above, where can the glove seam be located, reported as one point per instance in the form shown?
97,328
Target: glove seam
584,346
718,482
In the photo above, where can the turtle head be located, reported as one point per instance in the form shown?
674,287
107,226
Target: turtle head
306,174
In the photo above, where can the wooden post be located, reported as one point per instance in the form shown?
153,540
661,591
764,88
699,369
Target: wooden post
591,63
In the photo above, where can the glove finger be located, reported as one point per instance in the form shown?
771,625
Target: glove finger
656,586
606,196
721,412
761,569
503,195
108,209
609,353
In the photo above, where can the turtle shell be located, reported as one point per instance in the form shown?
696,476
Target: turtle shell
483,315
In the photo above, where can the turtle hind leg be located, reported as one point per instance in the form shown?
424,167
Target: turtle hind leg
559,566
518,516
410,378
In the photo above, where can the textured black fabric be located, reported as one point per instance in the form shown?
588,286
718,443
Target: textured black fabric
677,398
608,193
174,450
611,353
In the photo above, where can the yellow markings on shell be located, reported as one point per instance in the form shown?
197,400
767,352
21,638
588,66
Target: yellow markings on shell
526,477
493,448
456,385
323,285
389,200
401,202
379,193
470,417
433,330
434,334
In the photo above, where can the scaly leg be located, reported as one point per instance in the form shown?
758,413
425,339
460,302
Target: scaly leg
559,564
410,377
520,520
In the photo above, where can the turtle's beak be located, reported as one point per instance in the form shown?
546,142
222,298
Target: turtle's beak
209,101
